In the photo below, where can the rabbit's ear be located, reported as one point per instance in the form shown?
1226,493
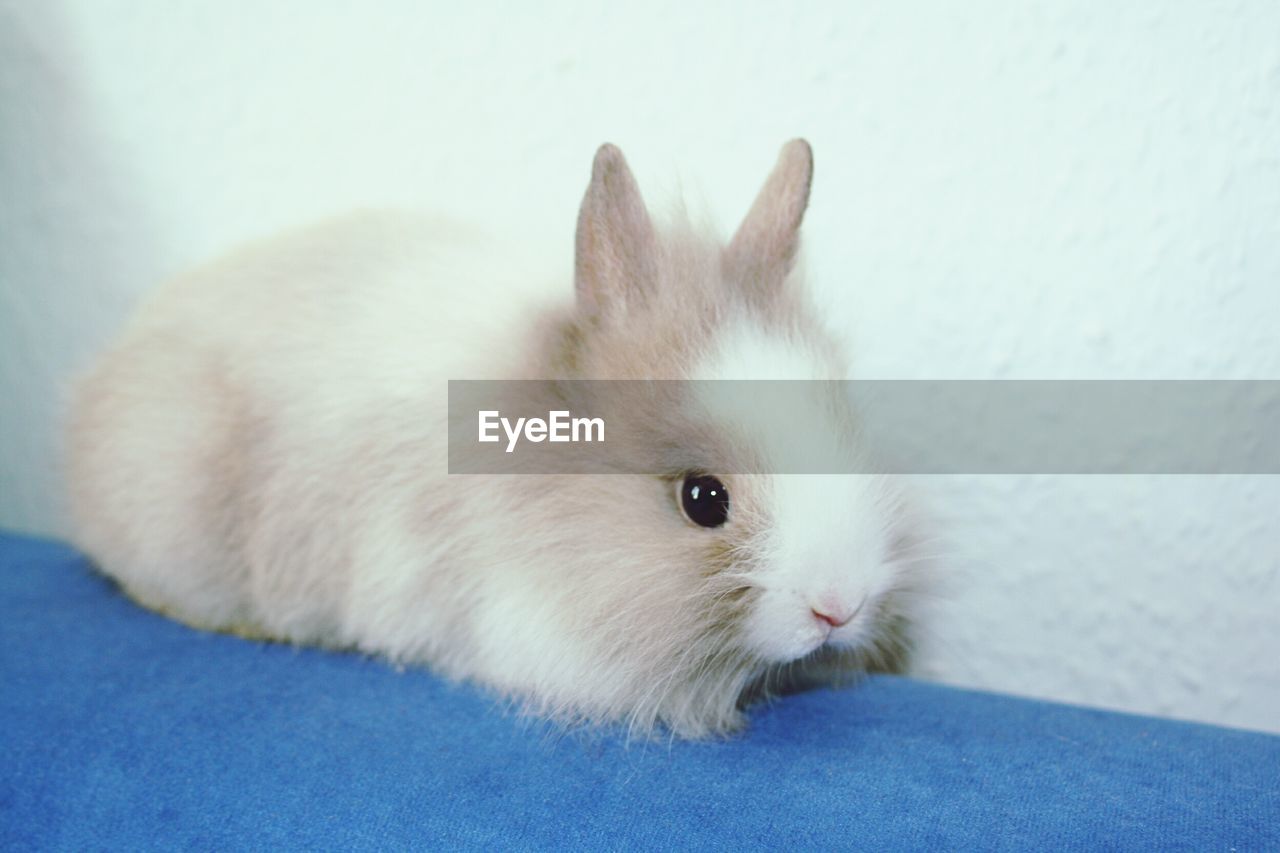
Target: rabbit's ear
614,259
765,246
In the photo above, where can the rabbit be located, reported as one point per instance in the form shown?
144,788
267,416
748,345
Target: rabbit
263,452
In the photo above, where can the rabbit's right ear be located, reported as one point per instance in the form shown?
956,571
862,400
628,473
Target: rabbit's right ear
764,249
614,260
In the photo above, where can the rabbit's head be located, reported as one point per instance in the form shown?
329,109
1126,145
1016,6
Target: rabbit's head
711,574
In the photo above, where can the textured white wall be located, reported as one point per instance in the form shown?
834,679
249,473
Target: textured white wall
1003,190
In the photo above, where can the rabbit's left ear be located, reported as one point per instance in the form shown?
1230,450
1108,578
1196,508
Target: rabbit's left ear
766,243
615,241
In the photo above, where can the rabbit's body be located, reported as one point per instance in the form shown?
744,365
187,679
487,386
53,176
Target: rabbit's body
266,424
264,451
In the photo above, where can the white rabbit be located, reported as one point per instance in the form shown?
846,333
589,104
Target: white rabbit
264,452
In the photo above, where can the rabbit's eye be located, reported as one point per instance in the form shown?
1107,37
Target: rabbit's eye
705,500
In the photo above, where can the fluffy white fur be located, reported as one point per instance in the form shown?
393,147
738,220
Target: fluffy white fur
263,452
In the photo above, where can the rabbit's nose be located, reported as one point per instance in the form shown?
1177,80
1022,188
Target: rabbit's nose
835,611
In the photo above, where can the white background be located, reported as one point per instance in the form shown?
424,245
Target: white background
1072,190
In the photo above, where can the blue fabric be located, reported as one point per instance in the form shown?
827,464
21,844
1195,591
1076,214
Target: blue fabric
121,729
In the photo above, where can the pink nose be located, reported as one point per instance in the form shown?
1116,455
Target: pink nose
836,617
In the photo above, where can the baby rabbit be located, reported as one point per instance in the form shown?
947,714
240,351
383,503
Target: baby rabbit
264,452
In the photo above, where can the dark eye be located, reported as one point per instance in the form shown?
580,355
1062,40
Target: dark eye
705,500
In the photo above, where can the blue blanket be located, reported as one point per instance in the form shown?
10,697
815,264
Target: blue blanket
120,729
